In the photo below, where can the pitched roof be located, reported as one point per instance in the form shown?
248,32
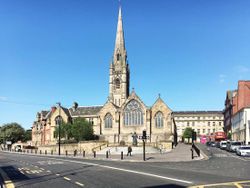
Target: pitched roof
85,110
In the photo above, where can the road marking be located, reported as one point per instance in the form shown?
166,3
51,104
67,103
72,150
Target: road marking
236,184
67,178
57,174
80,184
48,171
130,171
119,169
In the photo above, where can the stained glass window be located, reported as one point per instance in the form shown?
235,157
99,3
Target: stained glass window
159,120
133,114
108,120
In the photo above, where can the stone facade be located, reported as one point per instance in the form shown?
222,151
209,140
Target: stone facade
123,115
203,122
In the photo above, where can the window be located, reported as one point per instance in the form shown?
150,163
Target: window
208,123
188,124
58,120
198,131
108,120
117,83
220,123
159,120
213,123
213,130
133,114
203,130
118,57
193,123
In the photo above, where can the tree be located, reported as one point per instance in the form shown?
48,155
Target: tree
188,133
79,130
82,130
11,132
27,135
65,131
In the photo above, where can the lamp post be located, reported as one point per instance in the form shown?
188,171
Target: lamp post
59,128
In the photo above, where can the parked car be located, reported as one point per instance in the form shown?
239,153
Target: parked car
223,144
243,150
234,145
213,144
228,145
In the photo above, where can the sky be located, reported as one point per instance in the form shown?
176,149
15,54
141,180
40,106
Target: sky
189,52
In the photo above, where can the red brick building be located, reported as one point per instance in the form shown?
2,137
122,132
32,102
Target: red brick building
235,101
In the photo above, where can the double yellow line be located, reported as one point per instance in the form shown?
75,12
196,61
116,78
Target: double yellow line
7,182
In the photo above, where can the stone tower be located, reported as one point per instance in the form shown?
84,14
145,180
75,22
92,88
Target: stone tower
119,68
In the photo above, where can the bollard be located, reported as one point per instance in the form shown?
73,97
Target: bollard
40,152
45,152
75,152
36,151
51,152
192,153
83,153
94,154
122,155
66,152
107,154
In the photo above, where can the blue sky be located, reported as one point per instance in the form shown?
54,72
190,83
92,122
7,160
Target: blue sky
191,52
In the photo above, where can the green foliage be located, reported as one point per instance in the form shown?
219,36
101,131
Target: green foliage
79,130
188,133
65,131
11,132
82,130
27,135
229,136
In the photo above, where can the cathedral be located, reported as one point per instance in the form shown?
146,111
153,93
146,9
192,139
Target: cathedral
123,114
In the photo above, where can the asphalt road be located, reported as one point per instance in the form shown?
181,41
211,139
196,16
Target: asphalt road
45,171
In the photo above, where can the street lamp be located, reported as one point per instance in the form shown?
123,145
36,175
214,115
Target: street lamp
59,128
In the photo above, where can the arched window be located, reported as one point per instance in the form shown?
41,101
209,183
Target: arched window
118,57
117,83
133,114
58,120
159,120
108,120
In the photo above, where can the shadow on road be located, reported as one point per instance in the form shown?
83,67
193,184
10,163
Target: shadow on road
14,174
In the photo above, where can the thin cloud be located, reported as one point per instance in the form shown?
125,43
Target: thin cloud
222,78
242,69
3,98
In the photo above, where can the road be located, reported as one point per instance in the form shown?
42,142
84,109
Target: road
46,171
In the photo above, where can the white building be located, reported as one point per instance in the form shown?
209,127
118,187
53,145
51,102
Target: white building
241,125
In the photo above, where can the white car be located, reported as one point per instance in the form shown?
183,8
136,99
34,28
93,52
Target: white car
223,144
234,145
243,151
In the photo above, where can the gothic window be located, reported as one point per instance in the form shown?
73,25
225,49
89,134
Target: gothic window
118,57
117,83
159,120
133,114
108,120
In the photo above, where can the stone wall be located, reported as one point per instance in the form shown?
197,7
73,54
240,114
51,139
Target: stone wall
87,146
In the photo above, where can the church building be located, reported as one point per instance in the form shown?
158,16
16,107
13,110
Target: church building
123,114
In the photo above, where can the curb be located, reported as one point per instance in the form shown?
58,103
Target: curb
110,159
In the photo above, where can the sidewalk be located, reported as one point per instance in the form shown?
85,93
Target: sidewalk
181,153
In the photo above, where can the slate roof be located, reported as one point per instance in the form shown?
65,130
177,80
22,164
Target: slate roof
44,113
85,110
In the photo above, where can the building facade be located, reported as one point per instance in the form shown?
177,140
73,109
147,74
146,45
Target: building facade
122,115
240,112
202,122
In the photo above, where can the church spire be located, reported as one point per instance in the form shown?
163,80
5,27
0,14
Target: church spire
119,42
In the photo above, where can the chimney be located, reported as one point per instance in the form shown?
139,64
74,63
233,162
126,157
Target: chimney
53,109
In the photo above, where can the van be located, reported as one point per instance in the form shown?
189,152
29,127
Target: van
223,144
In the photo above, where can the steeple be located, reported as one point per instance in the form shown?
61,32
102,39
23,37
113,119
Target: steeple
119,42
119,69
